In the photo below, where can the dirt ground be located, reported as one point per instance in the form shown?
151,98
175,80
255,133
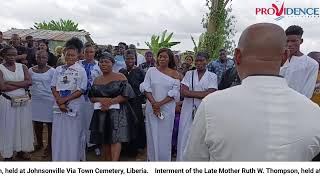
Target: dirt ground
91,156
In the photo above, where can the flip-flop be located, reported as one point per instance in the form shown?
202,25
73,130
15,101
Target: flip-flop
24,156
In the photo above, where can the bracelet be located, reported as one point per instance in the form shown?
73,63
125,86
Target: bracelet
112,101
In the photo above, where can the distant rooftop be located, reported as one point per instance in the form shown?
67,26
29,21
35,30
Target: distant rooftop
46,34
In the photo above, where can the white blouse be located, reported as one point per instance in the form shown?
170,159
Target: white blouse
160,85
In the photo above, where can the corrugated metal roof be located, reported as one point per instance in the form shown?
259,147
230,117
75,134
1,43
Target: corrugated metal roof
44,34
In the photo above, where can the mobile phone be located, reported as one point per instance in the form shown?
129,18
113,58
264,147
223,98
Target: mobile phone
161,116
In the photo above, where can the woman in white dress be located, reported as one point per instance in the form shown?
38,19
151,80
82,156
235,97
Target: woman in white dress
42,99
196,85
68,84
16,132
162,88
91,66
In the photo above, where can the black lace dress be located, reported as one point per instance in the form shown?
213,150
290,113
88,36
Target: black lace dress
135,78
114,125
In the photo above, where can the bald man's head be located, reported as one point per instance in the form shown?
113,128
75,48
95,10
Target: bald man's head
261,49
315,55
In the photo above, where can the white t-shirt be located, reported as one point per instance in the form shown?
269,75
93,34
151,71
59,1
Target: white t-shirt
208,81
301,74
71,79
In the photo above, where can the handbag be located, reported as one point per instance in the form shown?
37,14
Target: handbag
19,100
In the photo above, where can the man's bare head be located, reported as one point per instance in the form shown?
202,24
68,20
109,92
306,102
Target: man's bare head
15,40
261,49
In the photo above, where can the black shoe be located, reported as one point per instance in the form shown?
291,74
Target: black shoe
92,148
8,159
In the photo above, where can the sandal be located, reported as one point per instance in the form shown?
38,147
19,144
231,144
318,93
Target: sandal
37,148
46,152
24,156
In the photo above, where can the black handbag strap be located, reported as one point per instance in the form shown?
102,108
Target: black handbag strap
192,80
192,87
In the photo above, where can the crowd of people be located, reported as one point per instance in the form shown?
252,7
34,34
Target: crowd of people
254,106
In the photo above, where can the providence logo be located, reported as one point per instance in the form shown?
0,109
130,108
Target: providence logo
281,11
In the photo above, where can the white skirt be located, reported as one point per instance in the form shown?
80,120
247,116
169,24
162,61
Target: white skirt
185,124
86,116
159,133
66,138
42,110
16,130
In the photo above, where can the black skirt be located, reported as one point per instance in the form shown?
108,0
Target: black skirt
114,125
109,127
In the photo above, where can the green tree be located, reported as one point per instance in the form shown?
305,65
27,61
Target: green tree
219,24
165,42
61,25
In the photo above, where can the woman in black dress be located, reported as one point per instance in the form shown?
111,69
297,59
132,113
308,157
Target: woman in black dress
135,76
110,125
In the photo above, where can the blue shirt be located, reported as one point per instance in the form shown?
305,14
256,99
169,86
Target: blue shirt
119,63
219,68
92,71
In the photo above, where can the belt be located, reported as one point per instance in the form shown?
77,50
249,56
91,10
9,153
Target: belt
9,98
5,96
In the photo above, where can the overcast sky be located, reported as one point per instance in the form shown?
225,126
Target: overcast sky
134,21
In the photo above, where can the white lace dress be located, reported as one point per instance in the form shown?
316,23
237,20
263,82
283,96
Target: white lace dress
16,130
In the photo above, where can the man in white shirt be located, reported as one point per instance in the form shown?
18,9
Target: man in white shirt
299,70
262,119
140,58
